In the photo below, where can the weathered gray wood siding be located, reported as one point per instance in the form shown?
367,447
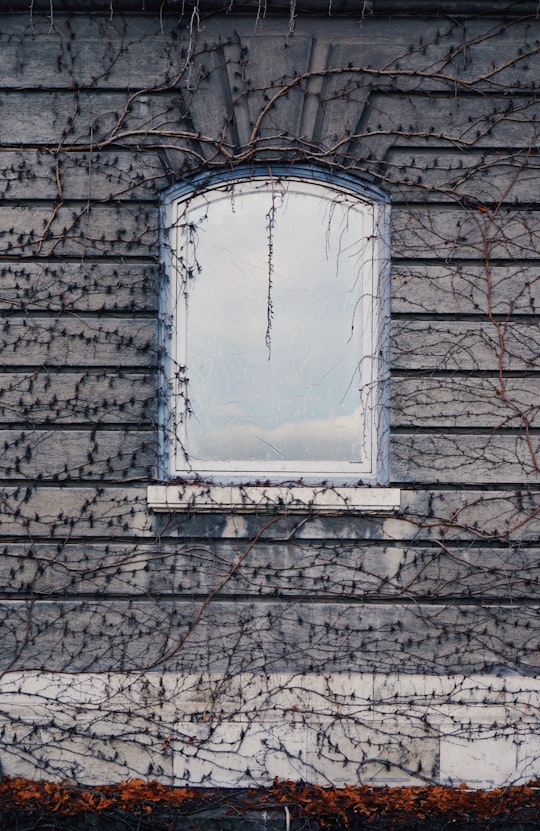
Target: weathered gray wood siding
99,113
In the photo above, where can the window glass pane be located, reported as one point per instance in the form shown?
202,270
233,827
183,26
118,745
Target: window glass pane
275,329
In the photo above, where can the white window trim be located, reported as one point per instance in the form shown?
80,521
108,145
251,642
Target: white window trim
238,490
205,498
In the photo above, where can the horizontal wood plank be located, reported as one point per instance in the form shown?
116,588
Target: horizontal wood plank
55,513
56,285
71,398
457,122
422,175
465,459
465,402
452,233
103,119
101,52
512,289
88,51
59,455
114,230
443,174
465,345
321,570
93,118
267,636
121,173
69,341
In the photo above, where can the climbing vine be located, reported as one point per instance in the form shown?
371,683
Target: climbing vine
225,649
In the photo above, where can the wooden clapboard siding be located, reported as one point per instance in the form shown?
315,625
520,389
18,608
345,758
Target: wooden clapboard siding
507,290
117,47
95,52
57,455
98,117
465,458
451,345
464,122
75,231
78,341
84,397
55,513
448,233
123,173
104,119
110,512
269,636
507,177
59,285
89,51
464,401
350,570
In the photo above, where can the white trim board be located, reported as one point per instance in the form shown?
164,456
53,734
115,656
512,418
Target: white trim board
272,498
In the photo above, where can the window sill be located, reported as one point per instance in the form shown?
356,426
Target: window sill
206,498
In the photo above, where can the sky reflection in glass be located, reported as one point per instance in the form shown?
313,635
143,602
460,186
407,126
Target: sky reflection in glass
274,334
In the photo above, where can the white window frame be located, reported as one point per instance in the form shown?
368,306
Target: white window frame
289,488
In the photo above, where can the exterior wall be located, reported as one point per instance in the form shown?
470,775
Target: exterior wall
228,648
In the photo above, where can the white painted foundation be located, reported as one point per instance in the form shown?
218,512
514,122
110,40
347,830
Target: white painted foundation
337,729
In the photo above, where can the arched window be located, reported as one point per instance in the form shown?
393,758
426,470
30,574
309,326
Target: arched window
276,310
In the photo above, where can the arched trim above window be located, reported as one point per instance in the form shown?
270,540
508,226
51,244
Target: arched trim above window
275,314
